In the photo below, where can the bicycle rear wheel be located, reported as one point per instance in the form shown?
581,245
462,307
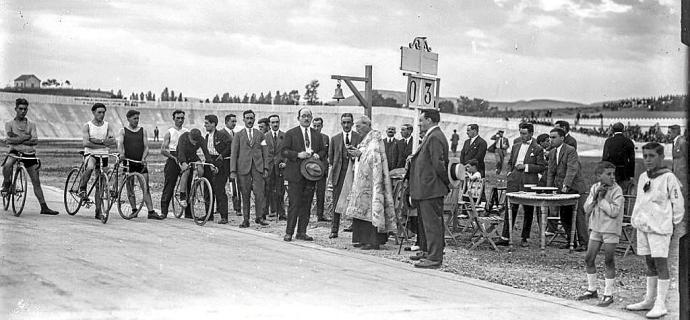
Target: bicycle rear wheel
178,211
19,190
103,196
71,192
130,198
201,201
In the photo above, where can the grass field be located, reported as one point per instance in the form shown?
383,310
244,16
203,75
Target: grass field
556,273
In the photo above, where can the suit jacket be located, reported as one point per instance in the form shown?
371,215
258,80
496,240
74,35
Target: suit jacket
428,170
338,156
231,134
404,150
620,151
567,172
221,142
273,149
505,143
186,151
455,138
477,150
294,144
680,155
569,140
245,153
326,144
534,159
391,153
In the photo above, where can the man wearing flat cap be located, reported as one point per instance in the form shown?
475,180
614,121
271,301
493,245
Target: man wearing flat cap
300,143
218,146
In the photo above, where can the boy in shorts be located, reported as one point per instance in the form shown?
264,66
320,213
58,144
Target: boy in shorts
659,206
604,205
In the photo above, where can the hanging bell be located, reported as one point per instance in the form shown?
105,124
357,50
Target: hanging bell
338,93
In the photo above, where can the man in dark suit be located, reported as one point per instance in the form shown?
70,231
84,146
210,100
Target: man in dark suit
565,126
454,139
339,159
501,145
391,145
525,164
301,143
248,165
620,151
218,148
474,148
317,124
230,123
428,186
404,144
275,184
564,173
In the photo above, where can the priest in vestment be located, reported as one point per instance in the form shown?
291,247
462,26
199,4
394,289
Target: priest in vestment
370,200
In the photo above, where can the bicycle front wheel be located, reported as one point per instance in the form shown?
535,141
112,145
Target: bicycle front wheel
103,196
130,198
19,190
201,201
71,192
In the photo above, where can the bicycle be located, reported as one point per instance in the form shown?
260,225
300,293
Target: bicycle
199,195
135,183
102,199
18,188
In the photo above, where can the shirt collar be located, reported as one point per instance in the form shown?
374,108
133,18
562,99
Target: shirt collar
528,142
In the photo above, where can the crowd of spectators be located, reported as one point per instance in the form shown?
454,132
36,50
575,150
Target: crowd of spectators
635,133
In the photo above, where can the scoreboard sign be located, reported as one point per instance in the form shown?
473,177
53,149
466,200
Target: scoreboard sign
421,92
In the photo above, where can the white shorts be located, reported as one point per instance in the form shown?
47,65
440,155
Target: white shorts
604,237
653,244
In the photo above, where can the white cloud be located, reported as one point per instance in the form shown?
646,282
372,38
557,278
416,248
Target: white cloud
544,21
584,9
475,33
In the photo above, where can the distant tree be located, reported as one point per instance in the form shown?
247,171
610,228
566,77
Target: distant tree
216,99
378,100
141,96
68,83
236,99
165,95
253,98
269,98
261,99
276,100
50,83
132,96
149,96
447,106
225,98
180,97
245,99
207,100
293,97
311,93
173,97
153,97
284,99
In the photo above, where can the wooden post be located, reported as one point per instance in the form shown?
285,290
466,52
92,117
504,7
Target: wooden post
368,94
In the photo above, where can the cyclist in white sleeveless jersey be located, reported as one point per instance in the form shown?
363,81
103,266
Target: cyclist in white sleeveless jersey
97,137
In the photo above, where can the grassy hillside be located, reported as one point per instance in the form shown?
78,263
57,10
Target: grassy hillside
538,104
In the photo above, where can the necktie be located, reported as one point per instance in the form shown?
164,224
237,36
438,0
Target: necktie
249,134
347,138
275,137
306,139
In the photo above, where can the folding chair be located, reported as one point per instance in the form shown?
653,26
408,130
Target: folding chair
628,233
450,205
485,228
470,198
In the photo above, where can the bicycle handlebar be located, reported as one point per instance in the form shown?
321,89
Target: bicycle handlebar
199,163
21,157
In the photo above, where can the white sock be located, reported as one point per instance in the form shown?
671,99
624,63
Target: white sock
608,289
592,282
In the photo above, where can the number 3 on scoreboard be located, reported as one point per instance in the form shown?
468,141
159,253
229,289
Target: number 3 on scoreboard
428,96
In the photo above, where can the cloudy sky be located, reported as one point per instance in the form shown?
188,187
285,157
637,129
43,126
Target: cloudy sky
501,50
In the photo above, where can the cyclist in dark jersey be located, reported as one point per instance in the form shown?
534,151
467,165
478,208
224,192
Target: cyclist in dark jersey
133,144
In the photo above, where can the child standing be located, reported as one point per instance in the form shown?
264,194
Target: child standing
658,208
605,207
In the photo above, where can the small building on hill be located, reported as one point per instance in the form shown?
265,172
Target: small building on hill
27,81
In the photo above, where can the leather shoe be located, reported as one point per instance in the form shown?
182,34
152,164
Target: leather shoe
304,237
282,218
371,247
261,222
244,224
333,235
287,238
49,212
238,213
357,245
223,221
322,219
418,256
502,242
428,264
524,243
154,215
581,248
348,229
564,246
605,301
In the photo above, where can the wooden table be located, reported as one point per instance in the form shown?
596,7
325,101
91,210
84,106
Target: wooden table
541,202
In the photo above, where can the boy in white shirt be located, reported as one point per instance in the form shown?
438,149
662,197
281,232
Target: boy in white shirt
604,206
659,206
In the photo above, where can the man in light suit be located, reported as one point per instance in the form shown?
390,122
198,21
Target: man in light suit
248,165
525,164
391,145
564,173
301,143
474,148
680,156
275,184
317,124
230,123
339,159
218,147
501,145
428,186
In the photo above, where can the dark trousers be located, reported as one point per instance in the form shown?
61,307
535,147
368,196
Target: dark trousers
582,232
528,214
416,225
337,189
218,182
171,172
275,193
236,198
300,194
253,180
453,147
430,212
320,196
500,155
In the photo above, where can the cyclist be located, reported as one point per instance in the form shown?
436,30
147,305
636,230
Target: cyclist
187,147
97,137
22,139
172,168
133,144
